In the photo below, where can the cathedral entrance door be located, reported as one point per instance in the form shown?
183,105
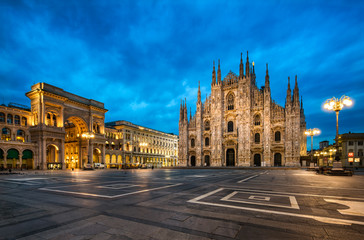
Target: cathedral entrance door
230,157
257,160
193,161
207,161
277,159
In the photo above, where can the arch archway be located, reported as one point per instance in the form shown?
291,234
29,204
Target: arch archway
277,159
257,160
207,161
27,159
230,157
193,161
96,155
74,127
53,157
12,158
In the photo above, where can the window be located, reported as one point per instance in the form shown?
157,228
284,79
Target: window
20,134
6,134
351,143
230,126
48,119
360,153
207,141
207,126
54,120
277,136
230,101
24,121
2,117
10,119
360,143
192,142
257,120
17,120
257,138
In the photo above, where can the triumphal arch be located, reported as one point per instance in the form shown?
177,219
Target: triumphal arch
68,129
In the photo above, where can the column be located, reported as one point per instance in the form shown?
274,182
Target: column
61,155
103,154
20,160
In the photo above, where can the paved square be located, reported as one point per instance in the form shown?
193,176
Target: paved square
181,204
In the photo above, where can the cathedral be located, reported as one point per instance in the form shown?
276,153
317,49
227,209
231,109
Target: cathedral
240,125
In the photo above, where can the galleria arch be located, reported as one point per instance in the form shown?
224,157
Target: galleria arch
59,121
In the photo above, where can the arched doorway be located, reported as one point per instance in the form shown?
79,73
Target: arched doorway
230,157
12,158
52,157
193,161
96,155
257,160
277,159
27,159
76,153
207,161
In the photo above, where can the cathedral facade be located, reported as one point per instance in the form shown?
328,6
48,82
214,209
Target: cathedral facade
240,125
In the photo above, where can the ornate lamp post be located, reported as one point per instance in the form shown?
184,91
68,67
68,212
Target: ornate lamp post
335,104
312,132
88,136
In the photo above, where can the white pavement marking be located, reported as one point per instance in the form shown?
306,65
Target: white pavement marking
246,179
293,193
107,196
355,208
317,218
119,186
292,199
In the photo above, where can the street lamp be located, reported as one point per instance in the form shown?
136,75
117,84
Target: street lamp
312,132
88,136
335,104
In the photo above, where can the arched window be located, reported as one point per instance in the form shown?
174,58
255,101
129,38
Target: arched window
230,126
207,141
6,134
48,119
17,120
277,136
257,138
54,120
257,120
230,101
207,126
192,142
20,135
10,119
24,121
2,117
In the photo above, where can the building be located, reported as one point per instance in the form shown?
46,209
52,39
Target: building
324,144
62,130
134,145
240,125
351,149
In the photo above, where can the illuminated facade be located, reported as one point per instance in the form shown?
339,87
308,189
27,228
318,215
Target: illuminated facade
240,125
135,145
62,130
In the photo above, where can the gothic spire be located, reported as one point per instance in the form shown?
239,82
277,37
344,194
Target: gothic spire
247,65
190,114
199,93
288,97
267,78
213,74
241,66
218,73
296,98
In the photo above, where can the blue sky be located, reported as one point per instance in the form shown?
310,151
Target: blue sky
142,57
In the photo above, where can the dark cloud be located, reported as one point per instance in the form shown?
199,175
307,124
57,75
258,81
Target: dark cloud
141,57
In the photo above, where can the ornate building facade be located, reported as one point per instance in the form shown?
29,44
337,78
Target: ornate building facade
62,130
240,125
